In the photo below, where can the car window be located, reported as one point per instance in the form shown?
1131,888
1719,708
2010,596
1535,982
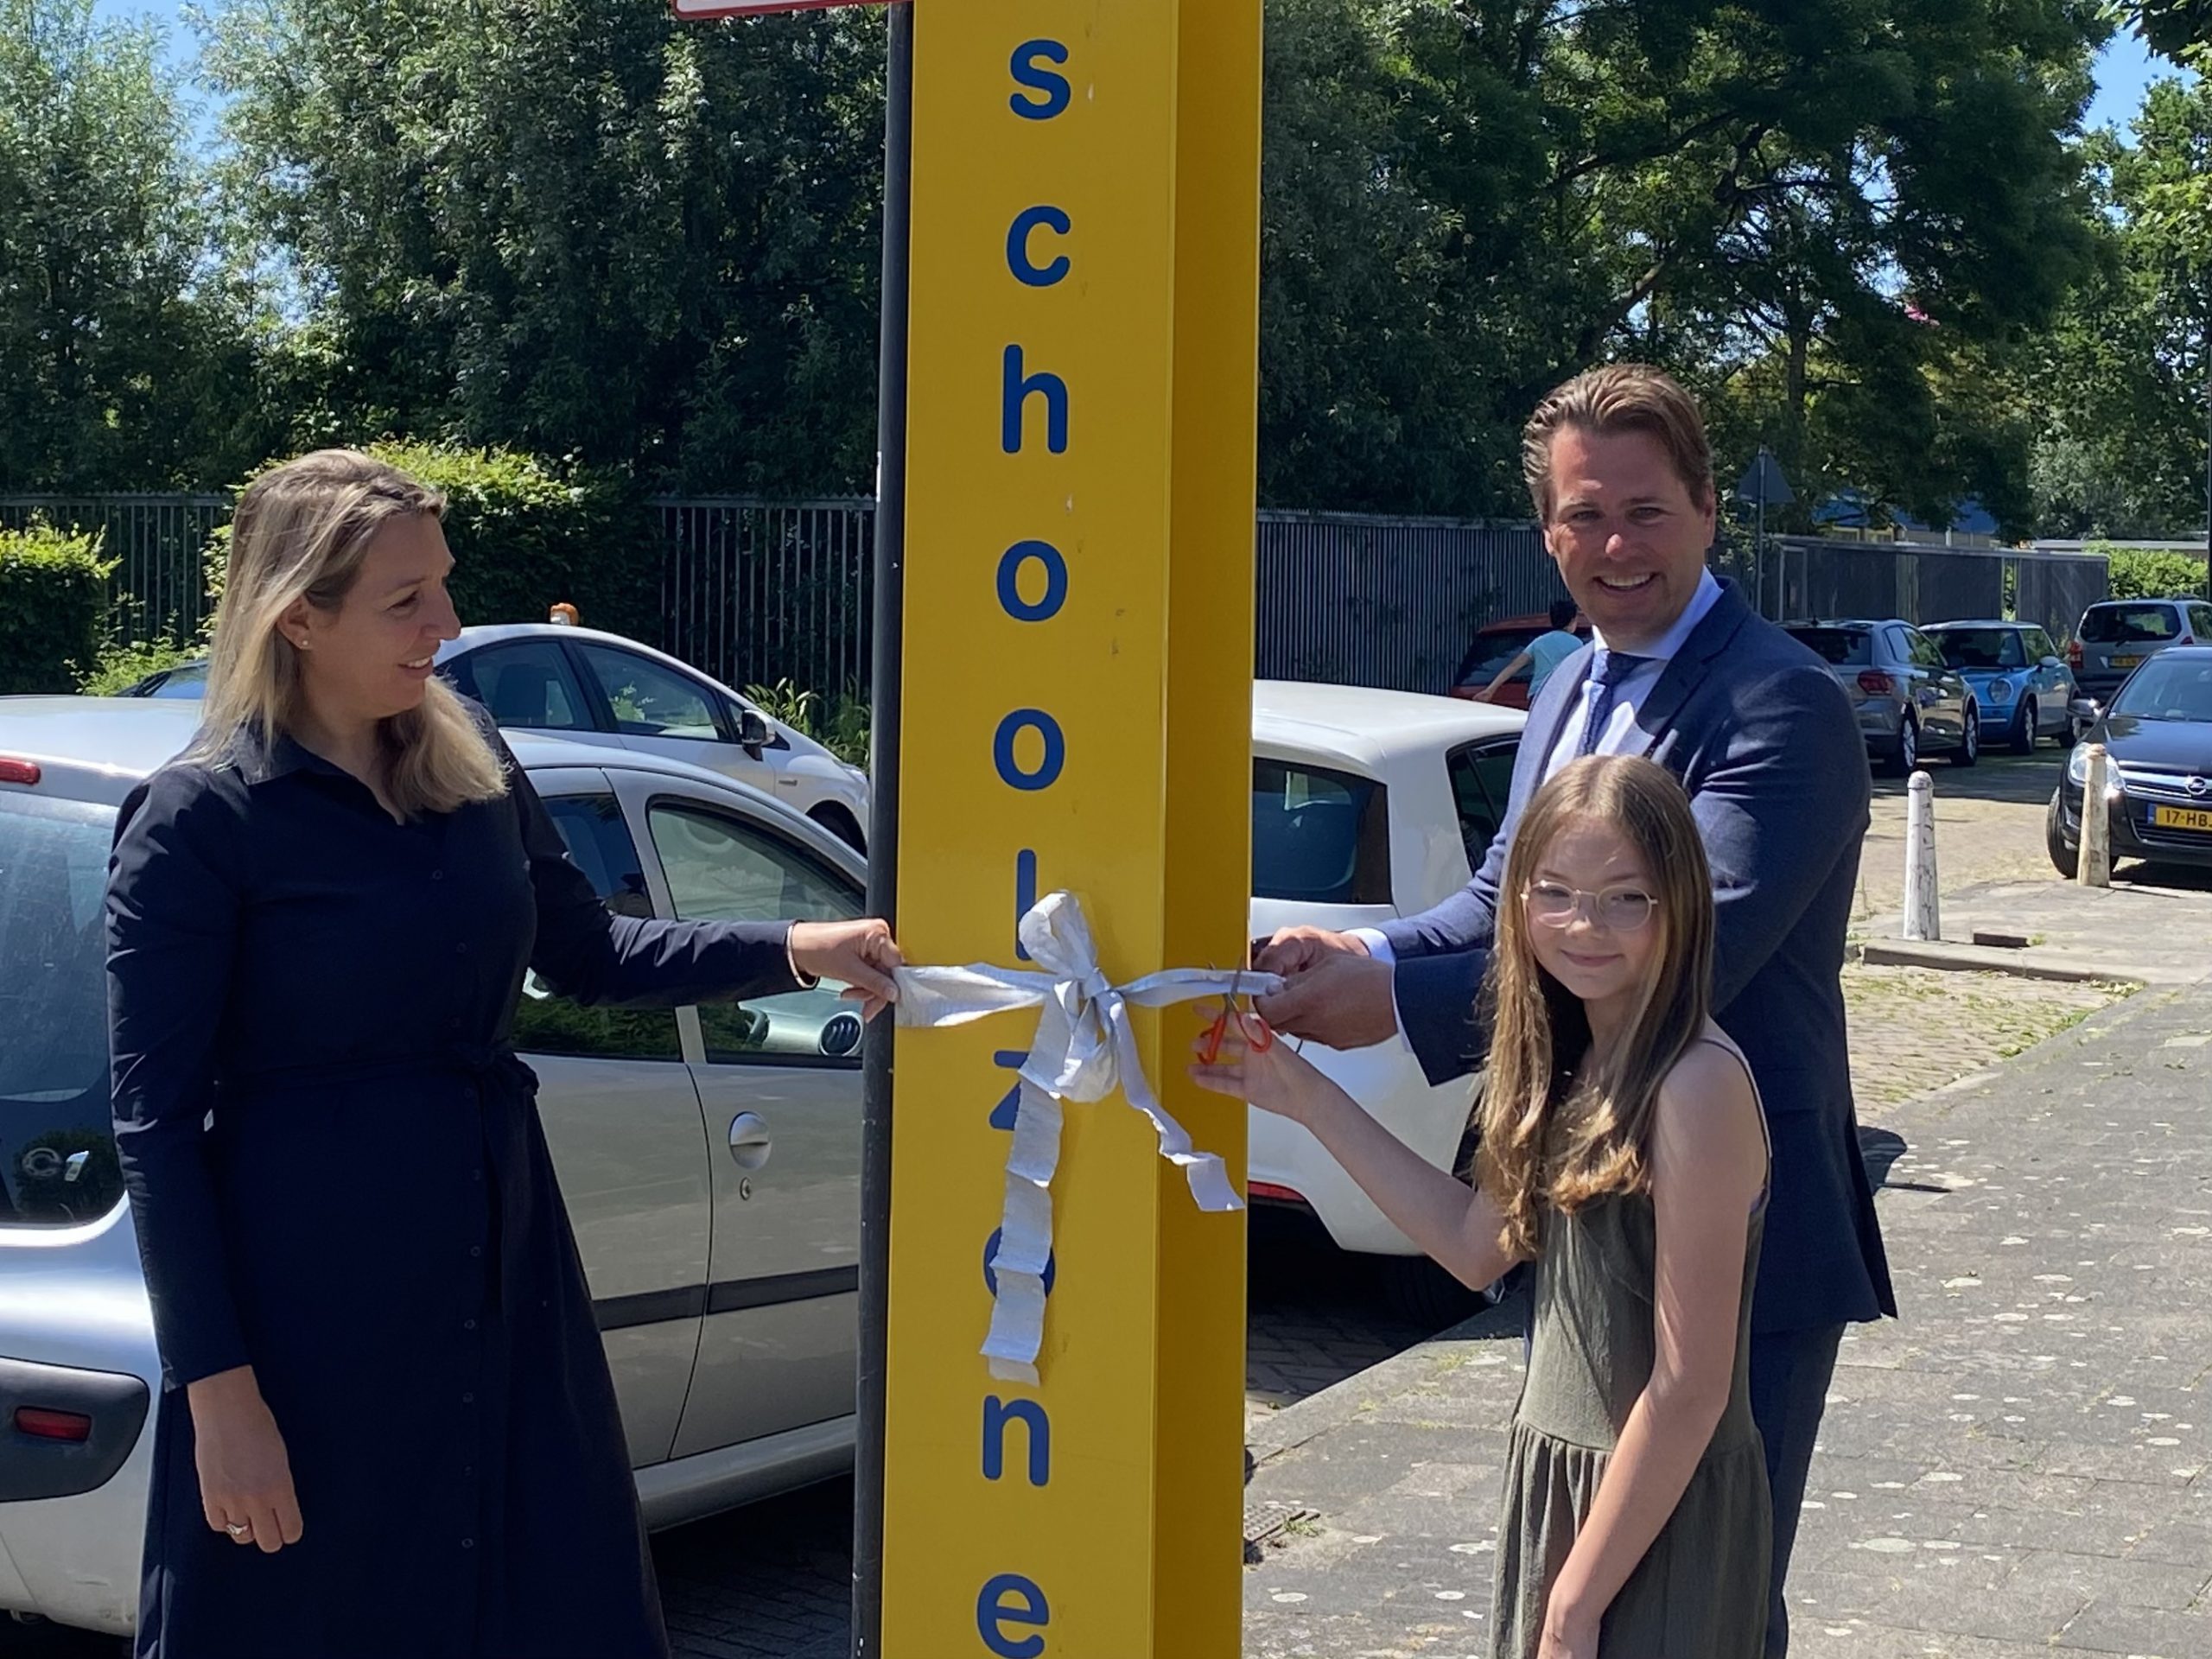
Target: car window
1922,650
1493,649
527,685
2129,624
1319,836
187,680
2169,688
649,699
600,844
1482,782
2039,645
1843,647
722,869
57,1164
1979,647
2200,623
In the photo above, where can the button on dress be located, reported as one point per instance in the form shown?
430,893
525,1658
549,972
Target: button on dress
338,1175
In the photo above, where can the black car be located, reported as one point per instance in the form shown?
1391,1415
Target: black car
2158,729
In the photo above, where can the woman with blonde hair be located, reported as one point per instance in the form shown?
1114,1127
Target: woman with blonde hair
1623,1152
387,1425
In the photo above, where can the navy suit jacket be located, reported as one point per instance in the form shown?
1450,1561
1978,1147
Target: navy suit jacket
1765,742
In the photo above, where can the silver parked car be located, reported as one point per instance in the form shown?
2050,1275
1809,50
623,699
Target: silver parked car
603,689
1909,701
709,1157
2116,635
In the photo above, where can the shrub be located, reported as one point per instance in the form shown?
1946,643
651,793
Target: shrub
54,607
2143,573
118,667
527,534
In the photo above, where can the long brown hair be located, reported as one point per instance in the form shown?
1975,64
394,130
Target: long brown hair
1556,1129
300,531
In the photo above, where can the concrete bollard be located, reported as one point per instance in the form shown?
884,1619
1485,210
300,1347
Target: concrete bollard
2095,866
1923,915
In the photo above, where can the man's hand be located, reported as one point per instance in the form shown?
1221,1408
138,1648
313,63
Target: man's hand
1295,951
860,956
1337,995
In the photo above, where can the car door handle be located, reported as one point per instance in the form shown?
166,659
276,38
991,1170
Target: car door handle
749,1139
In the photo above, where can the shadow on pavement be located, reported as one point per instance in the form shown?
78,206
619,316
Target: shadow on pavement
2019,780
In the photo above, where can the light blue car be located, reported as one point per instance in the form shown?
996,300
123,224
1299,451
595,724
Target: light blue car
2025,688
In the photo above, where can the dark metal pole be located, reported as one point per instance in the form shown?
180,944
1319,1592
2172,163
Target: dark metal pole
883,834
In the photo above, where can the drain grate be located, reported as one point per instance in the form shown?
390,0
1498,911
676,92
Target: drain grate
1265,1522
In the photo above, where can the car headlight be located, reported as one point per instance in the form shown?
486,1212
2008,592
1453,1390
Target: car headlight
2077,766
1999,690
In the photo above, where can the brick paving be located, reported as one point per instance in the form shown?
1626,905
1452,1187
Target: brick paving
2021,1466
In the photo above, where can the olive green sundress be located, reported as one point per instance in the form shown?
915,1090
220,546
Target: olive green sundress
1700,1591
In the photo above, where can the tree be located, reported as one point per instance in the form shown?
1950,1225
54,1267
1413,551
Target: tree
2125,374
572,226
2180,28
127,352
1469,200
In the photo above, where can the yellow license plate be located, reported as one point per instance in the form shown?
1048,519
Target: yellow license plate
2181,818
2127,662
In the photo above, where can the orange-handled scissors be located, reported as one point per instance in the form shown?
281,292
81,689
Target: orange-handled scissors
1257,1033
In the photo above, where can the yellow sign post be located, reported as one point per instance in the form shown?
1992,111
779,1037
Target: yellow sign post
1076,711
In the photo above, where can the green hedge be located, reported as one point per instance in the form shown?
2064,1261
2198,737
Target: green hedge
53,607
526,534
2138,573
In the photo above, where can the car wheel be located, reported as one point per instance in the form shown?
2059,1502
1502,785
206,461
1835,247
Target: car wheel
2073,731
2065,858
1423,1294
1969,749
1907,752
2024,735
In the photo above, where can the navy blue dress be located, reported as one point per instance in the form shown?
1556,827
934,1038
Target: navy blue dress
338,1176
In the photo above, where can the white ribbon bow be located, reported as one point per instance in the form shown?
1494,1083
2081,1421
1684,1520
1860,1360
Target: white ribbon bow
1085,1049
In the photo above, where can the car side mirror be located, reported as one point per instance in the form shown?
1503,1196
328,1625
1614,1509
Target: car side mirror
753,731
2052,662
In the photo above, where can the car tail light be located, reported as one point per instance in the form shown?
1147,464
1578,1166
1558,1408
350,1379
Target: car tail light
71,1426
19,771
2074,654
1875,684
1269,1189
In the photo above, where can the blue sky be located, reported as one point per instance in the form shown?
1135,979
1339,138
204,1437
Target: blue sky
2123,72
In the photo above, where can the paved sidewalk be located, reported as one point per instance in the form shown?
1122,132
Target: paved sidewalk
2021,1466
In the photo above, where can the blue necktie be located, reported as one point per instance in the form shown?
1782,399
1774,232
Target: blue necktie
1606,672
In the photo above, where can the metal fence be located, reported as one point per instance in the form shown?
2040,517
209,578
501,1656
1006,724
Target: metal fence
1806,577
160,587
759,592
755,592
1394,602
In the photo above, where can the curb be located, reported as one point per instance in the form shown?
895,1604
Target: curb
2065,967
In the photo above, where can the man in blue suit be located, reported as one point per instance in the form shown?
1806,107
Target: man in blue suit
1765,742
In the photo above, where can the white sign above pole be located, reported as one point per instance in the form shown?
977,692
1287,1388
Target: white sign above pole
692,10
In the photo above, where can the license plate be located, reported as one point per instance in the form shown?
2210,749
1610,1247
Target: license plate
2127,662
2181,817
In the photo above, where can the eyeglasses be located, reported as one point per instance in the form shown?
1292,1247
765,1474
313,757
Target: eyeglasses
1617,910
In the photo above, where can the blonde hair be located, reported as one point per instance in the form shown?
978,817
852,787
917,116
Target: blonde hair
1621,397
1557,1131
300,531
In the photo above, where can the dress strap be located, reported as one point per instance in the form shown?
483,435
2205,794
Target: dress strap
1766,1137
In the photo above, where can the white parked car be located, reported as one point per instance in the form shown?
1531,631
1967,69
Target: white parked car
1367,806
603,689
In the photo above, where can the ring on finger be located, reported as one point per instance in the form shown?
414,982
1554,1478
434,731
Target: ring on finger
239,1530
